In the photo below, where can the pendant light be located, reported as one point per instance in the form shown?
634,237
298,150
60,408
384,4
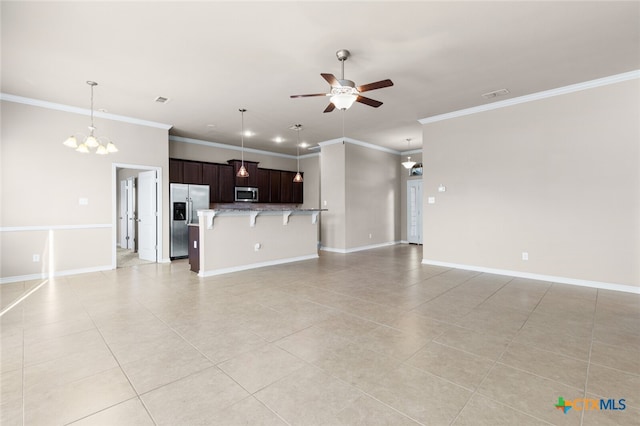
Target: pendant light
408,164
242,173
297,128
91,141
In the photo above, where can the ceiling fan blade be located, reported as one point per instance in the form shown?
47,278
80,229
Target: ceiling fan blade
331,79
368,101
307,96
329,108
377,85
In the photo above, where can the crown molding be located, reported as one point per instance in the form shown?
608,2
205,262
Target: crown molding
82,111
535,96
359,143
237,148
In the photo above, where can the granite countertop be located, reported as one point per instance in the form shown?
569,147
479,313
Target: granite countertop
265,209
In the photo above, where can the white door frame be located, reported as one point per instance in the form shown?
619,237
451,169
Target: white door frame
114,208
147,215
418,184
122,214
131,214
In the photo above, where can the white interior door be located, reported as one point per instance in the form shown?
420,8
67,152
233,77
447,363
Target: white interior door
414,211
147,215
122,214
131,214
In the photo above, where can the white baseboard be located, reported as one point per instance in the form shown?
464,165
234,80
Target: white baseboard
42,276
167,260
361,248
540,277
255,265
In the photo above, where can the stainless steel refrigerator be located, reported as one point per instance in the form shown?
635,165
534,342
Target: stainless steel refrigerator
186,200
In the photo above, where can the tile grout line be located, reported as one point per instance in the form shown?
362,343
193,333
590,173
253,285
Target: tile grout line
495,363
593,329
213,365
121,369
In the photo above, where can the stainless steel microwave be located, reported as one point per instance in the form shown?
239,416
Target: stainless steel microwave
246,194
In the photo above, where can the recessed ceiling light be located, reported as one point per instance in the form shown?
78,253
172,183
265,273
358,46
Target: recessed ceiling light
162,100
211,125
248,133
304,145
495,93
278,139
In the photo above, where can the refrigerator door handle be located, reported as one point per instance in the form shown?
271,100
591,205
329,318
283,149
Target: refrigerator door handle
188,218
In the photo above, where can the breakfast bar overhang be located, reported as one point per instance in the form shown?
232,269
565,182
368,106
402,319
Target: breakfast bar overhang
231,240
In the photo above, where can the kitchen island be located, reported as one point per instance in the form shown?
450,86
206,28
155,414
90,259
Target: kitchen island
235,239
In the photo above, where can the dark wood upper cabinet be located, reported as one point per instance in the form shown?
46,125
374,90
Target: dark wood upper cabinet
192,172
175,170
264,186
286,186
252,168
210,176
227,183
274,186
298,194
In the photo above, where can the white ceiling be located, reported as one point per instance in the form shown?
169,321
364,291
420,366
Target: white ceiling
212,58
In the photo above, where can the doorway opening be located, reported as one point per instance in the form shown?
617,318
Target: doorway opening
137,229
414,211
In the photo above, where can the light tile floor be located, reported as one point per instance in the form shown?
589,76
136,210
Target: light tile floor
368,338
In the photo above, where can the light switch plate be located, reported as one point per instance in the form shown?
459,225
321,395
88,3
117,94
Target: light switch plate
431,200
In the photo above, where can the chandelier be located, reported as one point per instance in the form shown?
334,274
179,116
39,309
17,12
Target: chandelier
91,141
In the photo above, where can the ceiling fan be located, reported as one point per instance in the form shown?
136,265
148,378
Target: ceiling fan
344,92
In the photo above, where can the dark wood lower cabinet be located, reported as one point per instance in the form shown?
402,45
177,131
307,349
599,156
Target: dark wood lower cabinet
194,248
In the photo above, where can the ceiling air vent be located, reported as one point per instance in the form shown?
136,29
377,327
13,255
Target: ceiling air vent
496,93
162,100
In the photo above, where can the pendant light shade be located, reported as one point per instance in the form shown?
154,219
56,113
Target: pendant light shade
408,164
242,173
90,142
297,127
71,142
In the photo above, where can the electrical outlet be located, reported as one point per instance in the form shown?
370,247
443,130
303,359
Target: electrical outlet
525,255
36,258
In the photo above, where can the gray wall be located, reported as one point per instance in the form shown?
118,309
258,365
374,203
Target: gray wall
557,178
42,182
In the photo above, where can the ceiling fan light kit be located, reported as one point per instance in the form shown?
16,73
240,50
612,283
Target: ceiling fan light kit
344,93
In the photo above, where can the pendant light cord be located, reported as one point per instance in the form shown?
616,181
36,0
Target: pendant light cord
92,126
242,136
298,146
